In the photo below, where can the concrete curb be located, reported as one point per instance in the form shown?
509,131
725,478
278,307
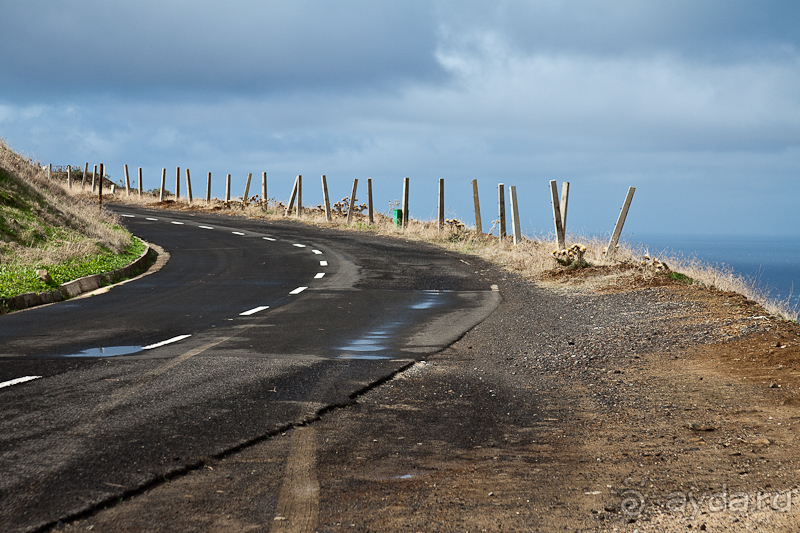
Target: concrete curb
78,286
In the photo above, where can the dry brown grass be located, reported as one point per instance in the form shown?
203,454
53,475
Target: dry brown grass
52,227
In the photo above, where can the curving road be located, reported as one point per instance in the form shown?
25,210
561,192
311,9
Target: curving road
249,328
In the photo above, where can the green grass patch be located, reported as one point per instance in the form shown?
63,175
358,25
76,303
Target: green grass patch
16,280
677,276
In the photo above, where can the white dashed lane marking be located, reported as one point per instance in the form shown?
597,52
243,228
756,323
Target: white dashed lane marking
316,252
178,223
128,216
299,245
237,233
268,239
298,290
254,310
148,218
164,343
205,227
323,263
18,381
319,275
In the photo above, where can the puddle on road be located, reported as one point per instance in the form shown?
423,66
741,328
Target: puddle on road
369,345
110,351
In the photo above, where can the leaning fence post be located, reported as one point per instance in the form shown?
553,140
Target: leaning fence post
247,189
512,190
352,205
612,244
94,179
326,199
127,182
163,184
441,204
501,210
478,226
557,219
177,183
188,186
208,188
264,189
140,182
69,176
228,190
83,178
564,203
292,197
405,202
369,201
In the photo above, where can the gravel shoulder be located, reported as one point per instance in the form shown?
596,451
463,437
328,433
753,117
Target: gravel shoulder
655,409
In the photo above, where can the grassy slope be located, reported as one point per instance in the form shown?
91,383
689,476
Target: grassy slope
41,227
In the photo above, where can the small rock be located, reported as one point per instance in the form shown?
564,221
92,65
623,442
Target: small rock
762,442
773,385
44,276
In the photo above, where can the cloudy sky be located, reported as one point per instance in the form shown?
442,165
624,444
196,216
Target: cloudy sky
696,104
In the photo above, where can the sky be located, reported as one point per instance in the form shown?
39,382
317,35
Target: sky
696,104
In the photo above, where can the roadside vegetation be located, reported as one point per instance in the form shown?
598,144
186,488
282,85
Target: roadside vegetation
44,228
586,266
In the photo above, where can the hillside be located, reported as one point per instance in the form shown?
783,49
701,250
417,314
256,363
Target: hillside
41,227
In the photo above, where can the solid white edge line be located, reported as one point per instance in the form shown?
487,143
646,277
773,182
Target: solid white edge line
254,310
323,263
299,245
268,239
316,252
237,233
205,227
319,275
164,343
176,222
298,290
18,381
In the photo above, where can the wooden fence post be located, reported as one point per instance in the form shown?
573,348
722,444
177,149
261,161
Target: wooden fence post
299,195
140,182
478,226
177,183
441,204
49,171
228,190
623,214
512,190
208,188
127,182
264,189
369,201
246,196
501,210
564,203
83,178
188,186
69,176
94,179
292,197
163,184
405,202
100,186
557,215
326,199
352,205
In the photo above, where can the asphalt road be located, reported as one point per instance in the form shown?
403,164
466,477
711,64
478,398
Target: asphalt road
250,328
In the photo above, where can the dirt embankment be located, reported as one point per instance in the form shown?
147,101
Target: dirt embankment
660,409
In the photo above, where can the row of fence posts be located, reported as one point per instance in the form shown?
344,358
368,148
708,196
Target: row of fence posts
296,201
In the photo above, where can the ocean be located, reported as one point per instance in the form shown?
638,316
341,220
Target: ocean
773,262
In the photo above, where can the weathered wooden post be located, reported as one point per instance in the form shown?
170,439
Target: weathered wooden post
623,214
564,202
208,188
246,196
188,187
501,210
352,205
441,204
177,183
49,171
405,202
100,186
292,197
326,199
512,190
94,179
127,182
369,202
69,176
140,182
83,178
478,225
264,189
557,218
299,195
163,184
228,190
